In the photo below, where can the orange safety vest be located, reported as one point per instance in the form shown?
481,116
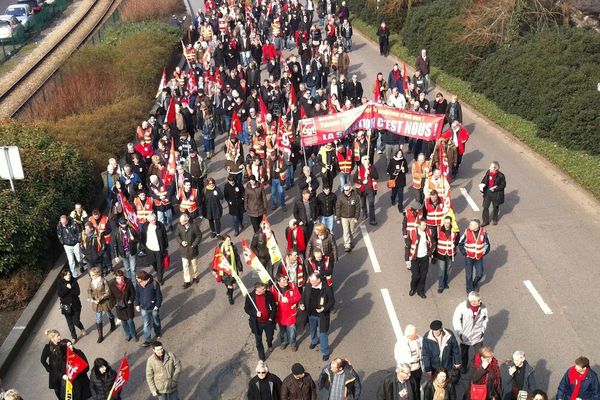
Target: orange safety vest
313,265
100,227
179,78
412,221
142,210
414,238
475,246
161,191
434,213
259,144
270,144
188,204
418,173
357,150
190,55
445,242
345,161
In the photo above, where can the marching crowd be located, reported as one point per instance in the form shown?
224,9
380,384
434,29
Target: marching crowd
237,83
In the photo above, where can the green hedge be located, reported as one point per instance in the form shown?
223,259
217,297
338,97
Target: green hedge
56,176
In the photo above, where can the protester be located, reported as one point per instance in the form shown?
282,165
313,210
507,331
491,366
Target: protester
339,380
397,168
298,385
70,305
492,186
459,135
93,248
316,305
148,300
259,246
474,245
446,245
122,289
102,301
102,379
189,236
54,360
296,237
232,257
305,212
162,373
233,192
579,382
125,247
326,201
287,296
470,323
440,386
156,245
265,385
294,269
440,349
69,236
261,309
420,244
398,385
255,202
522,377
383,33
485,376
409,350
365,180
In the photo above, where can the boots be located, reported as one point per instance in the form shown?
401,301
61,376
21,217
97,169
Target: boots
113,326
99,328
230,295
81,269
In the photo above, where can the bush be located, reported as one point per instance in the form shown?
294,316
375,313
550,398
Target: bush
550,78
56,176
18,288
139,10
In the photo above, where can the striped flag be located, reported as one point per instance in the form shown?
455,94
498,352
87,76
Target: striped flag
129,212
253,263
121,378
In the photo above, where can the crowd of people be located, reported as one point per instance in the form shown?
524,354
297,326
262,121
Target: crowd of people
236,85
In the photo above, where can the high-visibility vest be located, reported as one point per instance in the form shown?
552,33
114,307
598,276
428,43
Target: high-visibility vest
335,59
142,210
100,227
419,171
190,55
259,144
475,246
328,275
357,150
414,238
270,144
299,270
161,191
412,220
179,78
445,242
434,213
345,161
188,203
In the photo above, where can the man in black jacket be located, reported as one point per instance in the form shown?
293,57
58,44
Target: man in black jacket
124,247
354,91
260,307
305,212
156,245
492,186
316,305
398,385
69,235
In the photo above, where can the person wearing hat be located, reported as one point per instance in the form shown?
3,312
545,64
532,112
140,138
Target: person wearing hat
124,247
435,339
398,385
298,385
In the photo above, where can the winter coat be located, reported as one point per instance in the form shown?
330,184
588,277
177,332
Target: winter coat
254,388
101,294
149,296
299,212
497,196
259,247
192,235
327,245
101,384
255,201
352,385
450,353
69,296
429,391
161,233
251,311
124,301
388,389
328,302
69,234
54,361
162,376
348,206
291,389
286,312
117,242
234,196
589,389
394,170
326,204
529,382
212,203
470,329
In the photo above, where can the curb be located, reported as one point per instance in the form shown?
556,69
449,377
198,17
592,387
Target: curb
28,319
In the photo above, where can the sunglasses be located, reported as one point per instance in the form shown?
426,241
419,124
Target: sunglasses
262,373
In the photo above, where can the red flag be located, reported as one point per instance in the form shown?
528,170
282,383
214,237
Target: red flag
171,112
293,98
444,167
192,85
172,167
121,379
218,78
75,365
163,82
236,124
129,212
220,263
404,79
377,91
302,112
262,107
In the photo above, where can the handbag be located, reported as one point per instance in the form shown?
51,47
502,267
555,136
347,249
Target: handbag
478,392
121,304
66,309
166,261
391,183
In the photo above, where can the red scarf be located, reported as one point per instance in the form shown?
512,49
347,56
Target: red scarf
492,367
492,179
377,91
575,378
397,76
121,286
474,309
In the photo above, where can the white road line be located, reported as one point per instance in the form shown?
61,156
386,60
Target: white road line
370,249
18,328
536,295
389,306
469,199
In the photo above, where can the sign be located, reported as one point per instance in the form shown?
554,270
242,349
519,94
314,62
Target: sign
328,128
10,164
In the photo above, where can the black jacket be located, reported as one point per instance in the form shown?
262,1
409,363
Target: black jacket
192,235
70,234
234,196
124,301
394,170
497,196
117,242
429,391
389,389
100,385
326,204
299,211
54,361
274,383
69,295
251,311
326,294
161,233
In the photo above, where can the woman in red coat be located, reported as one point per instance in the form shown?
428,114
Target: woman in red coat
459,135
287,297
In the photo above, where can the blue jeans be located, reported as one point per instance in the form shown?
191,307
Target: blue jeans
328,222
277,189
445,266
289,176
129,328
226,123
99,316
238,220
166,217
344,178
171,396
470,263
151,319
74,257
316,336
287,334
129,267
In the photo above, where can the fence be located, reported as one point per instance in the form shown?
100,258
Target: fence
36,23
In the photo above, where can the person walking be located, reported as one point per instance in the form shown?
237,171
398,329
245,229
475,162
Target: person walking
213,207
396,169
445,250
347,211
189,236
155,243
265,385
162,373
125,247
339,380
326,207
262,318
485,372
522,377
423,65
148,300
122,289
298,385
459,135
474,245
70,305
409,350
323,240
440,387
81,383
420,244
54,360
365,180
255,202
579,382
383,33
102,301
316,305
259,246
397,385
470,323
287,296
69,235
233,192
492,187
295,237
102,379
419,172
440,349
231,254
305,212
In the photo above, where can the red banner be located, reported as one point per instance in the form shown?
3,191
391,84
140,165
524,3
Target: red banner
121,378
75,365
325,129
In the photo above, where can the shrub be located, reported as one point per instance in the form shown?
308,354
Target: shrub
18,288
550,78
56,176
140,10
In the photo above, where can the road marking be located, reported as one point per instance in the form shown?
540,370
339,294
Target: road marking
18,328
370,249
469,199
389,306
536,295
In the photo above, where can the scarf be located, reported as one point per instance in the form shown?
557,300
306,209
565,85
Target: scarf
440,390
300,244
492,179
474,309
575,378
121,286
210,187
494,369
396,75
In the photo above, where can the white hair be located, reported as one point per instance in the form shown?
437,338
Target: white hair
409,329
403,367
519,354
261,365
473,296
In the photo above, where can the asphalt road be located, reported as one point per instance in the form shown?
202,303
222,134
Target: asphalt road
548,234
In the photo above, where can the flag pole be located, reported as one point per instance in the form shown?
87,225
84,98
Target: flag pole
253,303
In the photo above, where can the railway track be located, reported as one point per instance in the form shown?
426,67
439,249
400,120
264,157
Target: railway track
44,68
